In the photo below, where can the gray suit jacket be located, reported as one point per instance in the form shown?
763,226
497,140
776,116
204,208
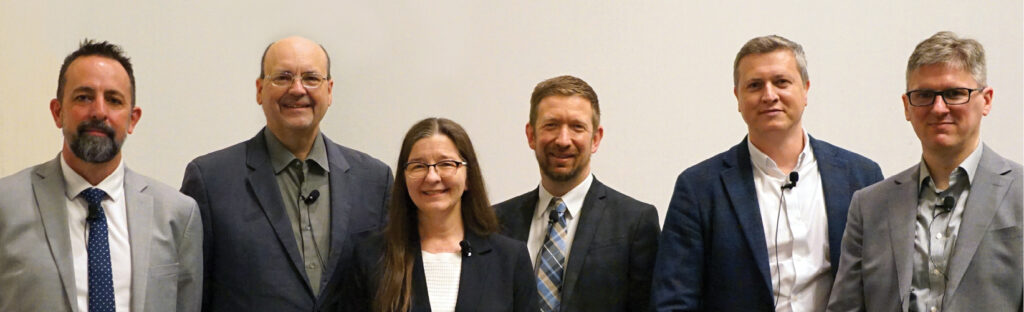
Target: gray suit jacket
984,271
36,273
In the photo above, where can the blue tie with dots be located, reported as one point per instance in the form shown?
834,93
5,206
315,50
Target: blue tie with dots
101,281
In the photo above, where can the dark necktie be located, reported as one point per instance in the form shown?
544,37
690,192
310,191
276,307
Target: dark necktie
101,281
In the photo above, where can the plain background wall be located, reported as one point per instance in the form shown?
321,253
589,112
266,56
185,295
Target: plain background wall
662,71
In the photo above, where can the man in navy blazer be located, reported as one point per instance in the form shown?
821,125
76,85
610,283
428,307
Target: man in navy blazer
758,227
610,238
283,211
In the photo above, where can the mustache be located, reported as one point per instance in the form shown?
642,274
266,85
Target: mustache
96,125
304,99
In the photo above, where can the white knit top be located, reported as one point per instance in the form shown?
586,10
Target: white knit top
442,271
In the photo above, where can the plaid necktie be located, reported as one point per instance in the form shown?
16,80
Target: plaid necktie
552,259
101,281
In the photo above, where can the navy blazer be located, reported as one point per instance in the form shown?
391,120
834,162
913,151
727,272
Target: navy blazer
251,259
496,277
714,255
612,254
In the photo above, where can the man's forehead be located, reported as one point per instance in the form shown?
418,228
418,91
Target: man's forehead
296,54
90,68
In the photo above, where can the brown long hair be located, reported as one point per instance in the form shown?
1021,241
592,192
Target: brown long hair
402,236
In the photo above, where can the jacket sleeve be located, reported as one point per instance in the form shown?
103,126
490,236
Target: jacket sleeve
848,289
680,259
642,250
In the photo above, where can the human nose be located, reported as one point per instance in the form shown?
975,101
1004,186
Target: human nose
563,137
99,109
770,94
296,86
433,174
939,105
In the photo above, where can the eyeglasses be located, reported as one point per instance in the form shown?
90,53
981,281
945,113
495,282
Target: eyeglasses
952,96
417,170
309,80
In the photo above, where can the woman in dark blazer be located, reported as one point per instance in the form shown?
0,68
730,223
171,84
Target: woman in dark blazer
440,250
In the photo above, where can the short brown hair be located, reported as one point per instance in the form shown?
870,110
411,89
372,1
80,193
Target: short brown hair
565,86
768,44
945,47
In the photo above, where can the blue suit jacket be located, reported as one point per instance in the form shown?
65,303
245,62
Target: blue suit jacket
251,258
713,255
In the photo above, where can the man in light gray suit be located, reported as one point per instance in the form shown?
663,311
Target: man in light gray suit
83,233
944,235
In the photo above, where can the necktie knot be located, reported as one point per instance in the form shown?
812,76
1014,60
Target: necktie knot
93,195
558,206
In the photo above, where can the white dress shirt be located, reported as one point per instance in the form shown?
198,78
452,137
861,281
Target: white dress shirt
442,272
117,233
539,227
798,242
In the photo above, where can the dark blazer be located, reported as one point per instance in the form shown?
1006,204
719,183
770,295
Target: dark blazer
496,277
252,261
612,253
714,255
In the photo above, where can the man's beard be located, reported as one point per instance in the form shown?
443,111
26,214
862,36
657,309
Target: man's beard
91,148
559,176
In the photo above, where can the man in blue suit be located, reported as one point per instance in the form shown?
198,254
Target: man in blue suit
758,227
283,210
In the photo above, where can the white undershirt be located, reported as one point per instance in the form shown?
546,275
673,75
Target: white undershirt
117,233
539,226
442,271
801,273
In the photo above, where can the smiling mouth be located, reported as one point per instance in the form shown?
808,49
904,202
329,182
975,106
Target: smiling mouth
433,193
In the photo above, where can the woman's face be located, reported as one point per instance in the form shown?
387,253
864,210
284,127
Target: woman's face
435,175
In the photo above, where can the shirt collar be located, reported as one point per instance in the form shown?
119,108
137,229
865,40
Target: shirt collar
573,199
74,184
969,165
765,164
280,156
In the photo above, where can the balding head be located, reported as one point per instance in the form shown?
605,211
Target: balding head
292,42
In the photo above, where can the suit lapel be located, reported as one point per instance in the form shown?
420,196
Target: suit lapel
140,219
738,178
990,185
263,185
902,212
835,183
420,301
591,216
340,182
48,186
476,274
522,216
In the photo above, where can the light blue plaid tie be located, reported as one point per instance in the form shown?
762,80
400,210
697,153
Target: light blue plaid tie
552,260
101,281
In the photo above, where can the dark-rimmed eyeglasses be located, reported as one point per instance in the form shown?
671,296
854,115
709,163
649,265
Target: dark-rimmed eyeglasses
951,96
308,80
445,168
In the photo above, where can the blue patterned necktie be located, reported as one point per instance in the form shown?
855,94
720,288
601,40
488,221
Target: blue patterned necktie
552,260
101,281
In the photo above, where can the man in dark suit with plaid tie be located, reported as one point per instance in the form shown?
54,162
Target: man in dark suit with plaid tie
593,247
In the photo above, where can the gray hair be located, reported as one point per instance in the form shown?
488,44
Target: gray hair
946,47
766,44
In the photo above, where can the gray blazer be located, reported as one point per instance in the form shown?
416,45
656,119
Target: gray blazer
36,273
984,274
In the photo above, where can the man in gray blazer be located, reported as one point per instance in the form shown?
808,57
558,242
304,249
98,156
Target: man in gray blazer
944,235
283,210
83,233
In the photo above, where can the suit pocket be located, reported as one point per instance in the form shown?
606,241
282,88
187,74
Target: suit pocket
164,270
1006,233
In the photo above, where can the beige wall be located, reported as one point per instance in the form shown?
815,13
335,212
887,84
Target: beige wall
662,70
